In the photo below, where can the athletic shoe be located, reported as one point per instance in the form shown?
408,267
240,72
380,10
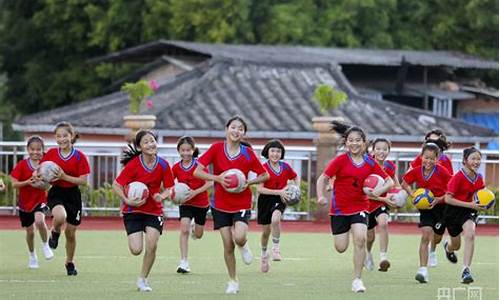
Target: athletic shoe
143,285
450,255
467,276
276,253
432,260
264,263
422,275
369,262
183,267
384,265
70,269
54,239
233,287
357,285
33,262
47,252
246,254
192,226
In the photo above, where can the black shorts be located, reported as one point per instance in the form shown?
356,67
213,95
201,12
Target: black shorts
433,218
372,217
456,216
136,222
70,198
198,213
28,218
266,205
342,224
224,219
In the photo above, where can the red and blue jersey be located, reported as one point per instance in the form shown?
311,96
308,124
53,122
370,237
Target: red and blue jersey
246,161
443,161
185,175
390,168
136,170
348,197
29,197
436,181
278,179
75,164
462,187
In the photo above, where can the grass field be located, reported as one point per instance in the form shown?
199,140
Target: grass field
310,270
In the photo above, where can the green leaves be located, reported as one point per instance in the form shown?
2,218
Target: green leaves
137,92
328,97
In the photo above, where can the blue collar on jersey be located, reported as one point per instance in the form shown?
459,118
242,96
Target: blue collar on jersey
71,153
472,180
149,170
430,174
193,163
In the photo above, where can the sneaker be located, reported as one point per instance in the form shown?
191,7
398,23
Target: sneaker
422,275
384,265
369,262
467,276
233,287
450,255
183,267
47,252
357,285
264,263
276,253
432,260
192,226
54,239
33,262
143,285
70,269
246,254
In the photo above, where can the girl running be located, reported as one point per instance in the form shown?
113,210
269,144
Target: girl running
461,211
231,211
64,198
270,204
379,208
349,204
433,177
32,200
142,163
193,212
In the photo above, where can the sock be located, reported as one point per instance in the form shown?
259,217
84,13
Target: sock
33,254
45,244
245,246
276,241
465,267
55,234
264,250
383,255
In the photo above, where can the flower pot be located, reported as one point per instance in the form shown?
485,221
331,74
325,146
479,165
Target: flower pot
137,122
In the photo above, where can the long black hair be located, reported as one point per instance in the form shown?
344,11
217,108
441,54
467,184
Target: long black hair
69,128
468,152
190,141
345,130
132,149
237,118
431,147
380,140
35,139
275,143
441,141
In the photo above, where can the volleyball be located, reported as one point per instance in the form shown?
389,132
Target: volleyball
48,171
180,192
372,182
293,192
399,196
136,191
422,198
484,197
237,180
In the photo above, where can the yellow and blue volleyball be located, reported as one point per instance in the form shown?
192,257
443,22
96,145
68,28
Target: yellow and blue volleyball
485,198
422,198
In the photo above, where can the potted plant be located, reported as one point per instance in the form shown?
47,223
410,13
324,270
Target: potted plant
139,92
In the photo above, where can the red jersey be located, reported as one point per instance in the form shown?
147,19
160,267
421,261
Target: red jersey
443,161
29,197
436,181
348,197
390,168
462,187
245,161
136,170
185,175
278,179
75,164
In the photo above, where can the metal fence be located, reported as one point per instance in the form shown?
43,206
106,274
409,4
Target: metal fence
104,162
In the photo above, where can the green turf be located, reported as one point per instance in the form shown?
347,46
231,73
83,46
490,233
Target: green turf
310,270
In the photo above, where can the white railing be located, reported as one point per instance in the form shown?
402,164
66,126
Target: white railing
104,161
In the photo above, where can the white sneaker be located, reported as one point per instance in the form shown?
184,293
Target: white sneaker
369,261
422,275
33,262
233,287
143,285
192,226
47,252
246,254
276,254
432,261
358,286
183,267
